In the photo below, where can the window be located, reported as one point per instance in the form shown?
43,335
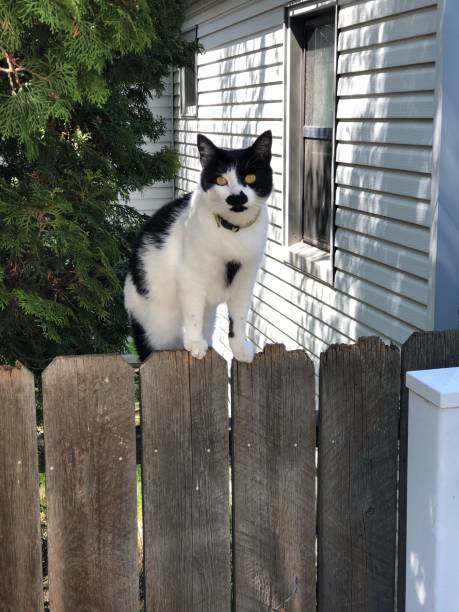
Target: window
310,119
188,83
318,130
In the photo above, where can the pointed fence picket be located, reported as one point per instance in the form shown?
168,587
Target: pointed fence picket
273,462
358,438
20,543
234,517
185,482
91,484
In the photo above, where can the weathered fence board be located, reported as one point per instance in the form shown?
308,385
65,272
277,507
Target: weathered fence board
185,483
358,432
91,484
273,482
90,452
20,542
422,351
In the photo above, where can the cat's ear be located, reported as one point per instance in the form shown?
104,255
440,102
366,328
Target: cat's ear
261,148
206,149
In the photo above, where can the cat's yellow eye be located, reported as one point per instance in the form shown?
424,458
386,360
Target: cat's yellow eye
250,178
221,180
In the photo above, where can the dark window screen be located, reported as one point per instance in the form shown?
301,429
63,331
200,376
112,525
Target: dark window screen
189,87
188,94
319,54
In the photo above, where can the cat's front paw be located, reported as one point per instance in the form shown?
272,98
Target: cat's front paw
243,351
197,348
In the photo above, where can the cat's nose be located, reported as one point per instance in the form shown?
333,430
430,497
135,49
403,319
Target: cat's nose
237,200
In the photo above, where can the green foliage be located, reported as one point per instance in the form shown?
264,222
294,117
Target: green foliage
59,50
76,78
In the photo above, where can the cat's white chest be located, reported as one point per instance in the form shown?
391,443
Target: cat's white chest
212,253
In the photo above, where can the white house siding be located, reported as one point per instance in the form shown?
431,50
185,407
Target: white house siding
151,198
384,131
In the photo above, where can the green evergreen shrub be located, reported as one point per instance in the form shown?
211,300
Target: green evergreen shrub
76,78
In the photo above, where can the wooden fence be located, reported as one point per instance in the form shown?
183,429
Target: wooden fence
233,519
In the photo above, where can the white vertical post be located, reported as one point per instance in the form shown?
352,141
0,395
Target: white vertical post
432,547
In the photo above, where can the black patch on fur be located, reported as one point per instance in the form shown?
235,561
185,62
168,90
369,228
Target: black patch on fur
231,328
253,160
237,201
158,226
140,338
155,231
231,269
137,271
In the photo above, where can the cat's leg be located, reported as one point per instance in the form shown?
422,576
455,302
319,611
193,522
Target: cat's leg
193,307
209,323
239,299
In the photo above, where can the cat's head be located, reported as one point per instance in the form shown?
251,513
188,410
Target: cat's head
236,181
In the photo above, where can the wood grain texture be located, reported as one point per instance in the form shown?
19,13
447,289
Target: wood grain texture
422,351
358,433
91,484
185,474
273,482
41,449
21,588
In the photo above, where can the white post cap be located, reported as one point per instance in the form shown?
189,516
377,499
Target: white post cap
440,387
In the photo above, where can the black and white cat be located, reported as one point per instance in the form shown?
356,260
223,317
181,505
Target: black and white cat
200,251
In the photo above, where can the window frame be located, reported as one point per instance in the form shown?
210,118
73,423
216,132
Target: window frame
190,110
308,258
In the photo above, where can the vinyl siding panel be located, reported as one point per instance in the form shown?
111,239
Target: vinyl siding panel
385,108
378,227
405,26
268,93
153,197
415,159
394,255
420,51
401,283
386,74
390,132
398,183
265,21
377,9
389,302
320,311
256,60
256,41
420,106
387,81
250,127
239,111
385,205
